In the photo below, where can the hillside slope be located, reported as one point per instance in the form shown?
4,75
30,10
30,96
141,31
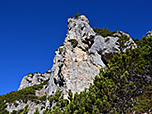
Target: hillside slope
118,68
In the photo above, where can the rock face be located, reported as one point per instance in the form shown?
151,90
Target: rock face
34,79
33,101
79,59
149,34
30,80
32,106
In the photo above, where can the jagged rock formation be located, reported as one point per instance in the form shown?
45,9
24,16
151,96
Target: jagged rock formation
34,79
34,96
77,61
149,34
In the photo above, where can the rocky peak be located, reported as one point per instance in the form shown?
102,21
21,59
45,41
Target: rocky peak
121,33
80,30
79,59
81,17
149,34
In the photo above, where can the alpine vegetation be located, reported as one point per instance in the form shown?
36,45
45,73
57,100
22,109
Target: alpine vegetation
95,71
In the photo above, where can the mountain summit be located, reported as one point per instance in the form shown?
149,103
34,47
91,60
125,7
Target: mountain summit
76,63
83,53
79,59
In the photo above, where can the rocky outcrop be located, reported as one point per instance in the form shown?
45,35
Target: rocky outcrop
34,79
149,34
79,59
34,96
31,106
74,68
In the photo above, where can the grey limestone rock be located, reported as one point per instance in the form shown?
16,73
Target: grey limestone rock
34,79
19,104
31,106
75,66
149,34
77,61
107,46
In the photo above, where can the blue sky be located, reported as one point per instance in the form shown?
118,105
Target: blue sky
30,30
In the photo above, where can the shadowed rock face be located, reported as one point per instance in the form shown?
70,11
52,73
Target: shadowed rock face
80,58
